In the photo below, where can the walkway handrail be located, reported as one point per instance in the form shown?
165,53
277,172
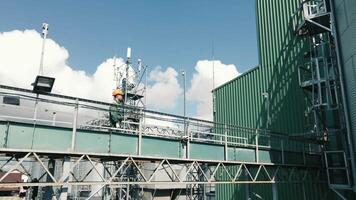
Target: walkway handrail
199,130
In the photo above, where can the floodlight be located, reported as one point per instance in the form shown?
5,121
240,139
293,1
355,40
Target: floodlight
43,84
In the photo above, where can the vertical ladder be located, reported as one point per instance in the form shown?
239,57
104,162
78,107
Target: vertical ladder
337,169
319,79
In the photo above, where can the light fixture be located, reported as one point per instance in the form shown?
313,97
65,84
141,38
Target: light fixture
43,84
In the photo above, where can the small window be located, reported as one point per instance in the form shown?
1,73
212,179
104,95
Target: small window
11,100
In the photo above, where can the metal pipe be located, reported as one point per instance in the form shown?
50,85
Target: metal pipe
343,95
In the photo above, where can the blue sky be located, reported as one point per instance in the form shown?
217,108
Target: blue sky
166,33
163,33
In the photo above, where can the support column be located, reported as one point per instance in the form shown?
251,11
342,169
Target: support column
128,192
74,131
274,191
65,170
48,190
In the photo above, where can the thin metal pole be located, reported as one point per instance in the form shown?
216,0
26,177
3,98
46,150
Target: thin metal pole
140,134
44,33
184,91
186,132
257,148
36,109
188,141
225,149
145,87
74,130
213,55
127,192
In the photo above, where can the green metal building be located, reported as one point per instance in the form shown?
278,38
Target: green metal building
270,95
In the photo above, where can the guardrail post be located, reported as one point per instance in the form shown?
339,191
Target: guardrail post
225,149
257,149
139,151
74,130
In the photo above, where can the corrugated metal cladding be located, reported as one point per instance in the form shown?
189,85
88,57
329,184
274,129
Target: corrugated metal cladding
241,101
345,12
279,53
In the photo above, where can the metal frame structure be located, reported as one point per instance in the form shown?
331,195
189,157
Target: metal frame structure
238,172
124,174
320,78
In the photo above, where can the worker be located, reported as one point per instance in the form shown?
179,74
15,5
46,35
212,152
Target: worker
117,110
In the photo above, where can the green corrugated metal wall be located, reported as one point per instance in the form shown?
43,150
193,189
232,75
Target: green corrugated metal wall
240,101
345,12
279,51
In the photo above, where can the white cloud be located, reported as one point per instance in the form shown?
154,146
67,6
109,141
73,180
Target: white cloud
19,64
165,91
20,57
202,84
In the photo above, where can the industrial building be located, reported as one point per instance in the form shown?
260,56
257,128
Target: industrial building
304,86
286,129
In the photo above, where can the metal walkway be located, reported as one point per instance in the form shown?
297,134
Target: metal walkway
59,134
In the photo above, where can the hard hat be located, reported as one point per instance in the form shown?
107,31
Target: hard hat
117,92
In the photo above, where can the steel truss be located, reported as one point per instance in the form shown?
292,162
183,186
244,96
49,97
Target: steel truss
191,171
125,175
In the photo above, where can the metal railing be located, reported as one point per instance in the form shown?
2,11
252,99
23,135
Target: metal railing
314,8
308,10
76,113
